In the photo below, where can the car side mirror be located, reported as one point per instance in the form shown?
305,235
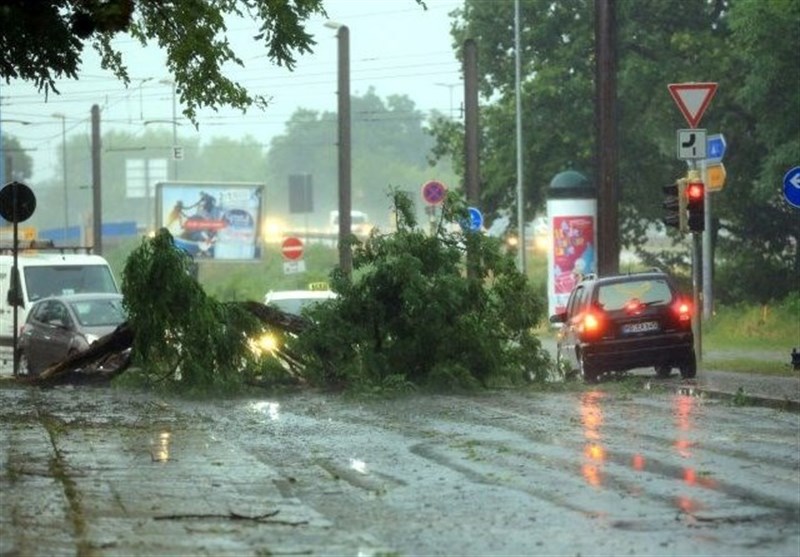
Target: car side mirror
559,318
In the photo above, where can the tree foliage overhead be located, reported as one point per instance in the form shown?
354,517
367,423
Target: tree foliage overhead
44,40
751,48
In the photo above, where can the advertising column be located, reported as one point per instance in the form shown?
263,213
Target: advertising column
572,235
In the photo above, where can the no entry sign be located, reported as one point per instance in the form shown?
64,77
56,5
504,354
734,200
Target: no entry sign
292,249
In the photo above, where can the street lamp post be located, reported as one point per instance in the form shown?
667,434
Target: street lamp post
345,202
64,170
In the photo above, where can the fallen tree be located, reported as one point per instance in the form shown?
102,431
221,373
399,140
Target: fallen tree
112,354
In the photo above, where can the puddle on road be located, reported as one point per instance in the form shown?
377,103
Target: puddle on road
160,446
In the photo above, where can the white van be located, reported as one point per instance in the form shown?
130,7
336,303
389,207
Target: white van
41,274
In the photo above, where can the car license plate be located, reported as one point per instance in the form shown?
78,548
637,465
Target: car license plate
643,327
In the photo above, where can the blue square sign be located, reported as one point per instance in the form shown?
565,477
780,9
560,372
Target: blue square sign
715,146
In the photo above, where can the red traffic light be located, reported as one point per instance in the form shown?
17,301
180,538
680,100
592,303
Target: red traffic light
695,203
695,191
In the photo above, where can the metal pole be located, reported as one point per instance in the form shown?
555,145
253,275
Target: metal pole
64,174
174,135
521,249
697,281
15,279
707,255
97,198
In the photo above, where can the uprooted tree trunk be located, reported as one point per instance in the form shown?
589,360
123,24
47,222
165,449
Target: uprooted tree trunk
111,355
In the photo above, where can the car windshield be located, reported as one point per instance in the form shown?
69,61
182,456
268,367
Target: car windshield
44,281
616,295
294,305
99,313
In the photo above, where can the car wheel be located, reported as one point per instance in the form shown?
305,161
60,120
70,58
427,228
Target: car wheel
564,367
24,365
689,369
663,371
587,373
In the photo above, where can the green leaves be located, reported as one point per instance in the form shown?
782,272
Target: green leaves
411,312
183,338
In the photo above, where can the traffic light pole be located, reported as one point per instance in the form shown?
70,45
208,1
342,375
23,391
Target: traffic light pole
708,263
697,298
697,284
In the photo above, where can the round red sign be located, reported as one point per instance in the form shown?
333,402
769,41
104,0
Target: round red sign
434,192
292,248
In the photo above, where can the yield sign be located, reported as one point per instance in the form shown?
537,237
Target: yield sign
692,99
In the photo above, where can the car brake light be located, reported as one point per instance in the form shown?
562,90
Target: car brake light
683,310
591,324
634,307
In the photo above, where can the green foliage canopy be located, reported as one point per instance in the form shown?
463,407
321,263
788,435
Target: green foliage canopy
43,41
751,48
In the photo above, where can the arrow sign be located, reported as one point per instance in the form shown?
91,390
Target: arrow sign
715,146
692,99
791,187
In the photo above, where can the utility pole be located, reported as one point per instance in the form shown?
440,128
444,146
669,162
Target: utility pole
472,174
345,178
520,191
606,138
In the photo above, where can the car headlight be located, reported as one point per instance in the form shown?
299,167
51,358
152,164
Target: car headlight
91,339
264,343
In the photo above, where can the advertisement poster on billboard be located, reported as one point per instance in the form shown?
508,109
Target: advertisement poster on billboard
216,221
573,254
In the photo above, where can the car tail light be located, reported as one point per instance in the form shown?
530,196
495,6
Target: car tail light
683,310
591,324
634,307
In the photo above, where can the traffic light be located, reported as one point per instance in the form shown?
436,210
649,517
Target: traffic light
695,203
675,204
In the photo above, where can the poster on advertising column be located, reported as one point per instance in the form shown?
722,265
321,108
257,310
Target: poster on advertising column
219,221
573,254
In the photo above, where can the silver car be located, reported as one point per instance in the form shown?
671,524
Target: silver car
61,326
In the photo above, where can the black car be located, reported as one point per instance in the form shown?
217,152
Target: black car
61,326
622,322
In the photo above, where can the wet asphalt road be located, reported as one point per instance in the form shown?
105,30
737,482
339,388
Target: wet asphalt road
656,468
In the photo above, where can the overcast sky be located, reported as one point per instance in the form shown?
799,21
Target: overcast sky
395,47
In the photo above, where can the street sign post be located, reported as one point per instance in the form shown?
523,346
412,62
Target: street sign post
692,99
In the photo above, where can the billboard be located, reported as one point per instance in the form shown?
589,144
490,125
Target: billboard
218,221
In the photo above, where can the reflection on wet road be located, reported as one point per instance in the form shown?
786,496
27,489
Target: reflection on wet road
93,472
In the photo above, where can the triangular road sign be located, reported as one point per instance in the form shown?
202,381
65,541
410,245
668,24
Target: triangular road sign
692,99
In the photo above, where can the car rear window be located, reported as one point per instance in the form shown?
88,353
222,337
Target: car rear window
615,295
